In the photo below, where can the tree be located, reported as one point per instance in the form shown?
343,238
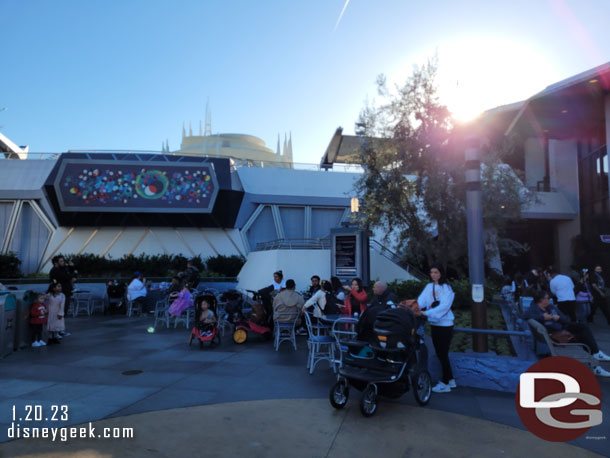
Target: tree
412,186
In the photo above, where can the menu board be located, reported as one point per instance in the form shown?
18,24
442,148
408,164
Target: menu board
345,251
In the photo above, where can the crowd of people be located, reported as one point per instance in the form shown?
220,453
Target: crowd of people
579,294
329,297
575,299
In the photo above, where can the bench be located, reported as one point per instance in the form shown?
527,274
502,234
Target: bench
577,351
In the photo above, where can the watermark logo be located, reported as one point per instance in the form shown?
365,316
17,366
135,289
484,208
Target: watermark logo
559,399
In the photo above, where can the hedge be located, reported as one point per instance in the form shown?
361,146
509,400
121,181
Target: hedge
10,266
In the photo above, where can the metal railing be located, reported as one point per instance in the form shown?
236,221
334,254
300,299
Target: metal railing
236,162
389,254
294,244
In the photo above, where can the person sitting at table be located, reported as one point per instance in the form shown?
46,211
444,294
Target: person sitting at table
322,302
136,290
182,302
174,289
288,301
355,298
383,299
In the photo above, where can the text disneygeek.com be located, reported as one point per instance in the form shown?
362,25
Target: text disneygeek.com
16,431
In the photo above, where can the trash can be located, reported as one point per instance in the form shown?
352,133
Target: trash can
8,307
23,338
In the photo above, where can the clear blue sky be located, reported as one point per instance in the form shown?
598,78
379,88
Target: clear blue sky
126,74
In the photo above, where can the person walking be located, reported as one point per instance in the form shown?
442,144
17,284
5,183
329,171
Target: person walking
563,289
65,275
435,302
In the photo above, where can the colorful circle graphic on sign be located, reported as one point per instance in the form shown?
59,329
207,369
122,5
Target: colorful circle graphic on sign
151,184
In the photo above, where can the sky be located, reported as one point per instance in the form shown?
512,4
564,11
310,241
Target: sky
126,74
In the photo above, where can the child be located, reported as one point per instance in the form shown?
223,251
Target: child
183,302
56,302
206,315
38,317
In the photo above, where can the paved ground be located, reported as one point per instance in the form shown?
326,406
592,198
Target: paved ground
244,399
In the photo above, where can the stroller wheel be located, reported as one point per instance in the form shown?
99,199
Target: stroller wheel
200,343
368,402
191,339
240,336
218,341
339,394
422,387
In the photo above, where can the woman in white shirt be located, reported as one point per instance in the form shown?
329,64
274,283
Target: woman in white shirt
318,300
278,281
435,302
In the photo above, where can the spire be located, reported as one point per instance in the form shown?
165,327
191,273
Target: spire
285,150
183,130
190,129
208,118
200,128
290,146
166,145
278,152
163,147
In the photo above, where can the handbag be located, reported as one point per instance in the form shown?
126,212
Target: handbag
562,336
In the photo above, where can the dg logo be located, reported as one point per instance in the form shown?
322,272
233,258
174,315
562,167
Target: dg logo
559,399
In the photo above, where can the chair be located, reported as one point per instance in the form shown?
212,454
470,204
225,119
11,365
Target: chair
524,304
97,303
187,316
134,306
283,328
344,332
82,301
161,313
316,345
576,350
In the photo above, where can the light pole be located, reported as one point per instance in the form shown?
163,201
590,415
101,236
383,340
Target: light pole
474,221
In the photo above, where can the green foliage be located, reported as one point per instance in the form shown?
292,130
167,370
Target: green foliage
227,266
10,266
94,266
411,289
412,188
462,341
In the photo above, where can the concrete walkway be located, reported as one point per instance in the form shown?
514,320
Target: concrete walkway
245,399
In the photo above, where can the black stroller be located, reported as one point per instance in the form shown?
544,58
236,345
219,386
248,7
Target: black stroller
116,296
395,364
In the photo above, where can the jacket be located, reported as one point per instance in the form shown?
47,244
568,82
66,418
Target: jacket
354,297
38,314
551,326
441,315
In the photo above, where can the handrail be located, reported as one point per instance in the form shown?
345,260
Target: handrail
498,332
294,244
389,254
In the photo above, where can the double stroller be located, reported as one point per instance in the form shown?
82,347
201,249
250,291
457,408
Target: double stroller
394,364
204,331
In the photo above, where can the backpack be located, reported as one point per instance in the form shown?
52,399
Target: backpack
331,307
258,315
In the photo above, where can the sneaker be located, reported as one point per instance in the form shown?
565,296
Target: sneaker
64,334
600,371
452,383
601,356
36,344
440,387
42,343
301,332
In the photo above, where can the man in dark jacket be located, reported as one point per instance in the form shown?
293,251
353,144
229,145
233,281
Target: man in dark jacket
192,274
554,320
64,275
383,299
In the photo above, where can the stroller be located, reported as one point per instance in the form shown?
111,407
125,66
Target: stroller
202,331
257,321
394,365
116,296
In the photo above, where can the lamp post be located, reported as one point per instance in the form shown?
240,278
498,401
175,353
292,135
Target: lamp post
474,221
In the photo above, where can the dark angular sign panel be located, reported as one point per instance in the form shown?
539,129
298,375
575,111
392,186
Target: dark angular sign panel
134,186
